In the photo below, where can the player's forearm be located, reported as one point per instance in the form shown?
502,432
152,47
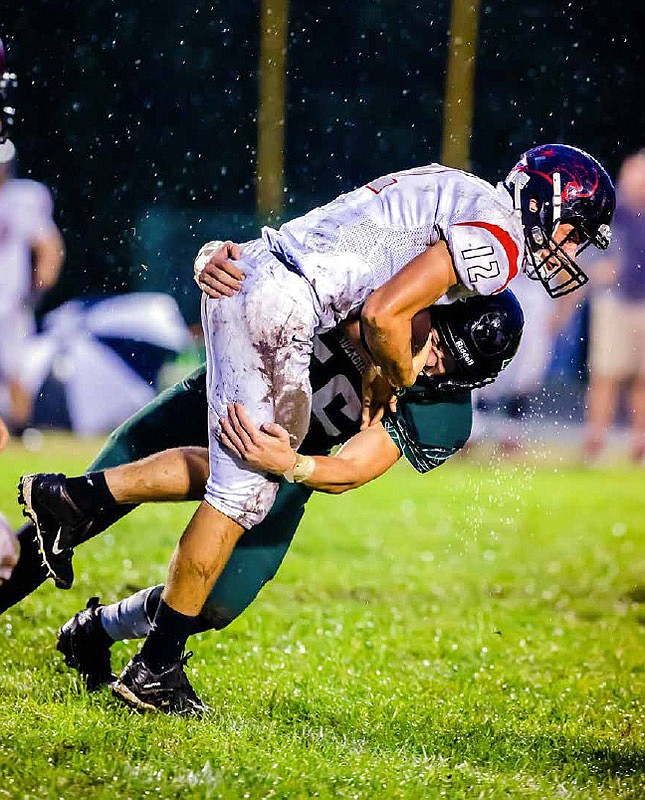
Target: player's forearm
387,314
364,457
388,342
335,475
169,476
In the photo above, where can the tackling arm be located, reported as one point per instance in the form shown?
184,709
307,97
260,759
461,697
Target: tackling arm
387,314
364,457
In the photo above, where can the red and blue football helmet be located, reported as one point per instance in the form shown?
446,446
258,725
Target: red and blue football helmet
555,184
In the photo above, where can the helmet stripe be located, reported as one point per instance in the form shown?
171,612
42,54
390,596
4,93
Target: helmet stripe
557,198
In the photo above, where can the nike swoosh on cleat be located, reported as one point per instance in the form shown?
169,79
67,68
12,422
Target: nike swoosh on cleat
56,550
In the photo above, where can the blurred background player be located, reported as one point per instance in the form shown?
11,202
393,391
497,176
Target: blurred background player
9,548
31,255
617,328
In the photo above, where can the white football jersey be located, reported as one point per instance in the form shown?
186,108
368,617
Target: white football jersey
351,246
25,217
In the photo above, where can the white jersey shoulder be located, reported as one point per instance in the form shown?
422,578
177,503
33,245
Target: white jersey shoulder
356,243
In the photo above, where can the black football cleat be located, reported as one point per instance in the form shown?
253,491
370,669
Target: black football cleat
169,690
58,520
86,646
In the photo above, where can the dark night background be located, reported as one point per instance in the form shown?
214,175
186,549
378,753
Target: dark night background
141,116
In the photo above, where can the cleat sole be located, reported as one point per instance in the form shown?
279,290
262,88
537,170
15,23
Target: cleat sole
130,699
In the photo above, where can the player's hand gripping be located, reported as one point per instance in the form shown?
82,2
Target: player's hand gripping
267,448
214,271
420,359
378,397
378,393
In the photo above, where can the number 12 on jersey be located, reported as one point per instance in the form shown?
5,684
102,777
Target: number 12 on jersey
482,267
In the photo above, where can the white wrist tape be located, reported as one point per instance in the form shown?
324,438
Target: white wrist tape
302,469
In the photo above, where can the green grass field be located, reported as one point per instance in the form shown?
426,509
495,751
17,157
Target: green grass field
475,633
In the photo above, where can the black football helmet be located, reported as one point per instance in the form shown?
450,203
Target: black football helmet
481,334
8,85
553,184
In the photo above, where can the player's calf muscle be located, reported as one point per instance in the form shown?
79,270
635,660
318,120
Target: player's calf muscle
199,558
172,475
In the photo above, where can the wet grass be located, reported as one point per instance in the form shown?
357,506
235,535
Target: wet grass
476,633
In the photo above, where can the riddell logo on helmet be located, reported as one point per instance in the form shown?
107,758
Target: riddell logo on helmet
461,346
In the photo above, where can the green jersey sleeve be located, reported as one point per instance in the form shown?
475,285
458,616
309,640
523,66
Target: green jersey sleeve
428,433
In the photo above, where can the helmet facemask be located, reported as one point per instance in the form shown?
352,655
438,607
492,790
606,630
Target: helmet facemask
547,261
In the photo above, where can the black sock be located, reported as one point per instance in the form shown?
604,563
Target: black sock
28,573
152,602
102,519
167,639
90,493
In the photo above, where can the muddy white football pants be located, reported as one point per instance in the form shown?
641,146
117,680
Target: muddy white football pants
258,348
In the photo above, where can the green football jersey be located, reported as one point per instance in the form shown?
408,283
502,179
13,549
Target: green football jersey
427,430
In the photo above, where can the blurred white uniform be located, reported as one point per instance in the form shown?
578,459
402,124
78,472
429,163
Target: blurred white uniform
25,217
311,273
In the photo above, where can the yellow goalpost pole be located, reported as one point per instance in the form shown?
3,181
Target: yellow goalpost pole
271,108
460,83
